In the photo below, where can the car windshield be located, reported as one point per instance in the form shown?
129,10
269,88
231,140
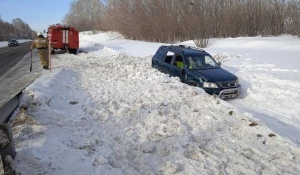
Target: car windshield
13,40
201,62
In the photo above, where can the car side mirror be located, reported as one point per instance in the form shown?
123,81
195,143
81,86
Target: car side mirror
219,63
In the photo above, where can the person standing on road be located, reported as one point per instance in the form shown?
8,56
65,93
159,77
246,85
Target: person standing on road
42,44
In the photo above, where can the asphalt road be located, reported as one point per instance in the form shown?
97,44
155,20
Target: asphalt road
14,70
10,56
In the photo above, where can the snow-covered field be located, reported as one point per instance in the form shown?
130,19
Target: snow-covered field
106,111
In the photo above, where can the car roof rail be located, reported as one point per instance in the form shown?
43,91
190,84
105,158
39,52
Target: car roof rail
190,47
176,47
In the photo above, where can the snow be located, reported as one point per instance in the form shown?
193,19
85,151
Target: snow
4,139
106,111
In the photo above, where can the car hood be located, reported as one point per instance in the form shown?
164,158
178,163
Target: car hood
214,75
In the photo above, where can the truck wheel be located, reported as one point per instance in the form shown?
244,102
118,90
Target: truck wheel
73,51
52,52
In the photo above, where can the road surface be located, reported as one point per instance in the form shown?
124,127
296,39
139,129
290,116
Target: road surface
14,70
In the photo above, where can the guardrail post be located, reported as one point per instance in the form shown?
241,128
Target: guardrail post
9,149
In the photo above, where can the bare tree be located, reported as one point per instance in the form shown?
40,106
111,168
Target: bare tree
177,20
17,29
292,20
5,30
85,14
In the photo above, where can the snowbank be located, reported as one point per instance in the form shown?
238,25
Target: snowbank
105,111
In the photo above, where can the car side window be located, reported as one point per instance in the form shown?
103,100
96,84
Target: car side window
178,62
209,61
169,56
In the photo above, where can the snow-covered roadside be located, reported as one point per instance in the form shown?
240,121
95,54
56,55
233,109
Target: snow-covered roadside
108,113
269,72
273,96
3,142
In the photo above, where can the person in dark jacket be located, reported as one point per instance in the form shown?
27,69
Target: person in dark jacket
42,45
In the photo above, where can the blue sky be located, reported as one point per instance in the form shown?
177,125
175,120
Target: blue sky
38,14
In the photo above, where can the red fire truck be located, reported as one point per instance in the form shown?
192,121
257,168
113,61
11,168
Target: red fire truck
63,38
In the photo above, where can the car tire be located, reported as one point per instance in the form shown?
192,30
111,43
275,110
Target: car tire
185,79
193,84
158,68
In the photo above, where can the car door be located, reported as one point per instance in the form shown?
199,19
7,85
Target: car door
178,66
167,62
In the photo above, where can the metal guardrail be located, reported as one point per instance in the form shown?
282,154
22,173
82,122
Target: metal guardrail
13,82
6,111
8,108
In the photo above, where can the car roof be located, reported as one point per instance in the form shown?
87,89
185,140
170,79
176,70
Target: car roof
187,49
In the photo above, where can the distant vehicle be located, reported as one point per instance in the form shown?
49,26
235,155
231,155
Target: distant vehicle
63,38
196,67
13,42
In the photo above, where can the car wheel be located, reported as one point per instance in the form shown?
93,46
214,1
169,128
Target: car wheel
192,84
185,78
156,67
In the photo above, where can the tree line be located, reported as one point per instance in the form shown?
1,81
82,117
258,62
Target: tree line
177,20
17,29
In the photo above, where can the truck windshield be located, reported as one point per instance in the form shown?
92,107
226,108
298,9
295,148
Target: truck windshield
201,62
